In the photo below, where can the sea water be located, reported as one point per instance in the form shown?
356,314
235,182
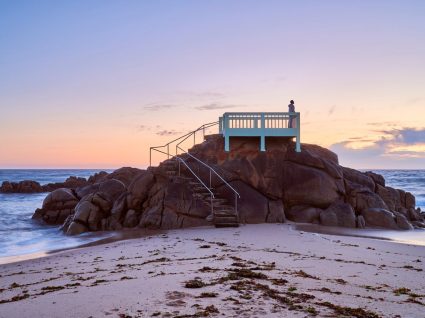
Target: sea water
21,235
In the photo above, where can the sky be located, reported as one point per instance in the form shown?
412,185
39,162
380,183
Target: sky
94,84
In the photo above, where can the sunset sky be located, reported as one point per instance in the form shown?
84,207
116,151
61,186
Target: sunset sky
93,84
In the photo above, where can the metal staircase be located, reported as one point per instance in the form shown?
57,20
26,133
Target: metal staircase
223,213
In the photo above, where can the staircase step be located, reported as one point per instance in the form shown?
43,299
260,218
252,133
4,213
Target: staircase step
224,215
216,202
222,207
225,205
200,189
202,196
226,225
225,218
224,212
184,178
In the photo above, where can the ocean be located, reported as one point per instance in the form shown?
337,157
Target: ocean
20,235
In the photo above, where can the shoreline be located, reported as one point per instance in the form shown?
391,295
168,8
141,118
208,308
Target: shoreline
254,270
129,234
116,236
369,233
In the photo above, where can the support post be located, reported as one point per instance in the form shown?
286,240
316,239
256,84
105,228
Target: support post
263,143
212,208
236,206
262,136
150,157
298,141
226,143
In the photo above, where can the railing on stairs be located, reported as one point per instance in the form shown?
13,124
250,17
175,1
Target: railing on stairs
199,179
179,141
211,171
181,160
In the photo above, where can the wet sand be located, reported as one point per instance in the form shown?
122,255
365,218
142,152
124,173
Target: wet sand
264,270
416,237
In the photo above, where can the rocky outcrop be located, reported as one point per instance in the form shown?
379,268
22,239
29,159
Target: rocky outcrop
275,185
338,214
378,217
125,175
57,206
29,186
26,186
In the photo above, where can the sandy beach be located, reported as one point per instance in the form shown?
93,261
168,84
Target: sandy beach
265,270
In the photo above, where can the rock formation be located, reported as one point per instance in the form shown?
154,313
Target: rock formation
275,185
29,186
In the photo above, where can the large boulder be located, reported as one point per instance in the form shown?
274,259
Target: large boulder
57,206
390,196
410,201
138,189
359,178
338,214
402,222
131,219
125,175
253,206
98,177
304,214
7,187
70,183
276,212
360,222
378,217
308,186
26,186
113,188
377,178
89,213
151,218
366,199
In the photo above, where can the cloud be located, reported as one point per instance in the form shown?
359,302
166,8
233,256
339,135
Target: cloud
166,132
142,128
415,100
208,94
407,135
214,106
384,123
395,145
157,107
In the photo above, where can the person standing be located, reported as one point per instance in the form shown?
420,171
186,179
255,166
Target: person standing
291,109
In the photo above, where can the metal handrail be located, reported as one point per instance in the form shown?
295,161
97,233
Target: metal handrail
237,195
194,132
211,169
184,136
199,179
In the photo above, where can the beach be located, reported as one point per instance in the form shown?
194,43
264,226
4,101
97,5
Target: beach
268,270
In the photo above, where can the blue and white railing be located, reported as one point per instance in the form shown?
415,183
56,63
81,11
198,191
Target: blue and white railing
260,125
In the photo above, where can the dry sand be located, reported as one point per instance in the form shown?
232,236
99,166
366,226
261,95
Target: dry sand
265,270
